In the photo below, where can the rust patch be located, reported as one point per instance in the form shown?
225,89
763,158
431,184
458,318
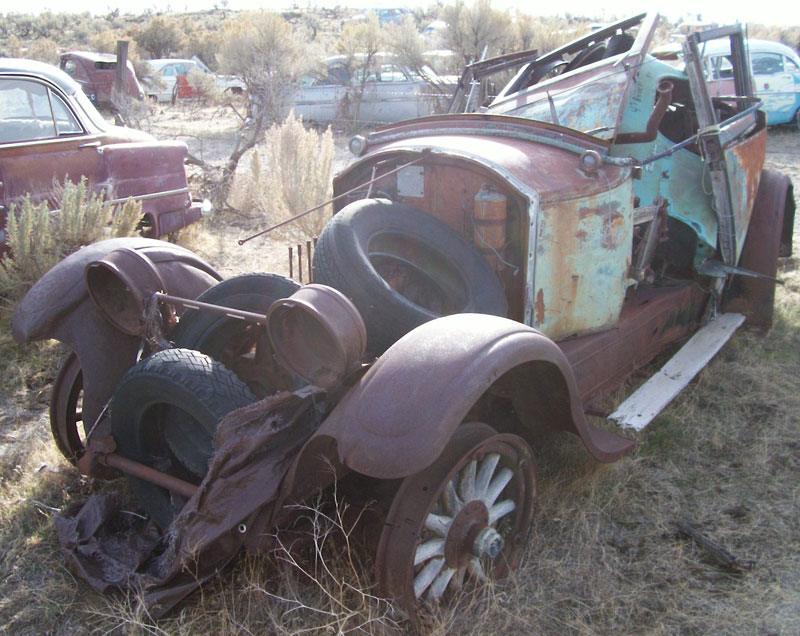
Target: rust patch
611,230
539,306
580,235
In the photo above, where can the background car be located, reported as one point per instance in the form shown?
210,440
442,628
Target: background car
391,92
775,70
96,73
172,80
49,130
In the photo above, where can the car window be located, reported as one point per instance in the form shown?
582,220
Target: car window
65,120
790,65
766,63
721,67
24,111
391,73
26,114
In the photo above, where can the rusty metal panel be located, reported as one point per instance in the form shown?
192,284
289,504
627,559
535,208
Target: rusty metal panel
582,257
744,163
651,319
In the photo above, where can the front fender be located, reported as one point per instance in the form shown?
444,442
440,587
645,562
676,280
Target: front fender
58,306
399,417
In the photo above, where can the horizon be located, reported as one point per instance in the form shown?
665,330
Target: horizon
685,10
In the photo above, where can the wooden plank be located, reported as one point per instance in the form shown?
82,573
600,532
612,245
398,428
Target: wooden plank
650,399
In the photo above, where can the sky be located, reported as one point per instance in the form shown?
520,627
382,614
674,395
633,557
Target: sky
721,11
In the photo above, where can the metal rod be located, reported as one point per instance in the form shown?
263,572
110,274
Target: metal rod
300,261
183,488
291,262
322,205
308,259
248,316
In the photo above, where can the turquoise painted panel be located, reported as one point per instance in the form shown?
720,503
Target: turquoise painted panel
582,260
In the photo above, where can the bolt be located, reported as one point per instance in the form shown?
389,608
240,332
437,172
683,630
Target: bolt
488,543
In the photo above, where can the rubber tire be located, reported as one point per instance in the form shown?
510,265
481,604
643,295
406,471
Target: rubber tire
168,406
211,333
207,332
342,261
64,417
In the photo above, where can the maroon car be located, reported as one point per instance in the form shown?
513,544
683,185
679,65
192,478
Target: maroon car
96,73
49,130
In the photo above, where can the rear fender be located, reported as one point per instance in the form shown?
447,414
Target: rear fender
402,413
769,236
58,306
155,172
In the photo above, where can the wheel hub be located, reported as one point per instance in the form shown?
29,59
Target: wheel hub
461,539
488,543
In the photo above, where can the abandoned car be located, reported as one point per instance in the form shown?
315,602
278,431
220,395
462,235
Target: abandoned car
346,88
173,79
486,277
49,130
96,73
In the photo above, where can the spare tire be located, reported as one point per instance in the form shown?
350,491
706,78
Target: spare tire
165,413
401,268
241,346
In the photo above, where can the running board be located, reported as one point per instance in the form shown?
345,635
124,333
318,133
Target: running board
649,399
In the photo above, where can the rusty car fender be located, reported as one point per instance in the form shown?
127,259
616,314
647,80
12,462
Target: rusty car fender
397,419
769,236
58,306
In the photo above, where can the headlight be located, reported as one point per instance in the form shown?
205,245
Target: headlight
358,145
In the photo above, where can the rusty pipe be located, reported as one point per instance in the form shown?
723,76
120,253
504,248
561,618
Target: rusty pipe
179,486
230,312
664,92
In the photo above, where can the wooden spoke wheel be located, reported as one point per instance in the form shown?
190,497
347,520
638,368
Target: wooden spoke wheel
465,517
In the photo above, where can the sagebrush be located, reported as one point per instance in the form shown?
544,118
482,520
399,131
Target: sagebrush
39,237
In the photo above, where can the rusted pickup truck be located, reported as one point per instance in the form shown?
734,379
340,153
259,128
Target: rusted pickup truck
49,130
486,277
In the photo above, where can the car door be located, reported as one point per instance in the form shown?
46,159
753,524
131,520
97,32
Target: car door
42,142
390,95
324,98
732,139
774,85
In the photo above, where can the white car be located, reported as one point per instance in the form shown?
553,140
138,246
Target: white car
775,70
173,82
392,92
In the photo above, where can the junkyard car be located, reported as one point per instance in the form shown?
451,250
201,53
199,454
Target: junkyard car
776,75
391,92
49,130
96,73
172,80
602,209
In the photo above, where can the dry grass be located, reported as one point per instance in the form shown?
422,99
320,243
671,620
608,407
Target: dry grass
603,557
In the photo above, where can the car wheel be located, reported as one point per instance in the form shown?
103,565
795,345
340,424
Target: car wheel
402,267
243,347
165,413
66,418
465,517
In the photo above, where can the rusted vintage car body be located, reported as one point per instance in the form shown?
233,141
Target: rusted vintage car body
595,248
59,307
96,73
50,131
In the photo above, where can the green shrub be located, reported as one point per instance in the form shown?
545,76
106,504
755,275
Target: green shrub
38,237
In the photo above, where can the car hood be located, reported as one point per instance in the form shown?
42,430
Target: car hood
536,158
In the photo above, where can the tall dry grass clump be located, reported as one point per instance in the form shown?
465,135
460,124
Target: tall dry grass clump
298,174
39,237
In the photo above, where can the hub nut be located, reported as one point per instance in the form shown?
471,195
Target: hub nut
488,543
